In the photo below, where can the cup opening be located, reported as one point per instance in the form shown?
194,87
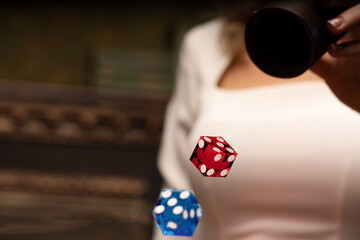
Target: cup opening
279,43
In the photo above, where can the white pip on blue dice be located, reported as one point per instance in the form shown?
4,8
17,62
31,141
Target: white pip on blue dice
177,212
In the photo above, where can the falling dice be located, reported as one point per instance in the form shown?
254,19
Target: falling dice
213,156
177,212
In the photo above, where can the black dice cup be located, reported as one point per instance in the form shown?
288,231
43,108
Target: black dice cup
285,38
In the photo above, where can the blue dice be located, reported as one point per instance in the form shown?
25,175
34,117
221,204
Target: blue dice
177,212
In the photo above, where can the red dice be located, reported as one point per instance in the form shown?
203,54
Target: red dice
213,156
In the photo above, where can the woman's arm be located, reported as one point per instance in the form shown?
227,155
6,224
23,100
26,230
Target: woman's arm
180,116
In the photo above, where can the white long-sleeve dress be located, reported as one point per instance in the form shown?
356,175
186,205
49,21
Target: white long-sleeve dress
297,175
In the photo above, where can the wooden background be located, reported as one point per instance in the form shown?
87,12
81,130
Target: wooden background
83,90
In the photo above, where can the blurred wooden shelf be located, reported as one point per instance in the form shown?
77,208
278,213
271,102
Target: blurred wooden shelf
57,114
77,162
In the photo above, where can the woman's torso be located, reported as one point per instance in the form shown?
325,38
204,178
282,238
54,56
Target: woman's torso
297,144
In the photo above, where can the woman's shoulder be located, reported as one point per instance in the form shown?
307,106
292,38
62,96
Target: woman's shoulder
202,46
203,30
204,36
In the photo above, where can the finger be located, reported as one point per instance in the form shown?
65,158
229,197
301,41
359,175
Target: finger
337,3
344,21
345,49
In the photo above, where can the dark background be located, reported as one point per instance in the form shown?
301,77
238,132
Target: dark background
83,90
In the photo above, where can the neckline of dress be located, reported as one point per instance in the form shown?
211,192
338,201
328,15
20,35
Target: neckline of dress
225,62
